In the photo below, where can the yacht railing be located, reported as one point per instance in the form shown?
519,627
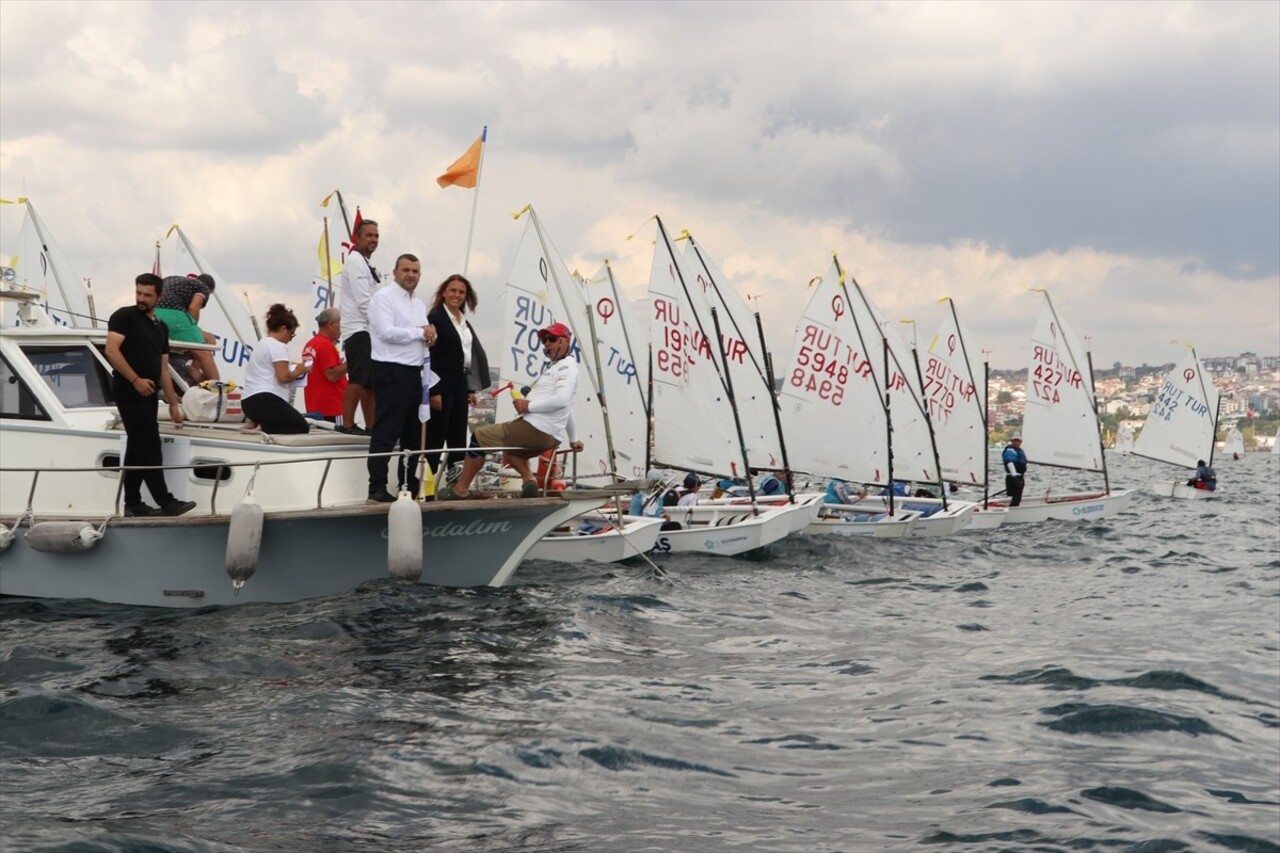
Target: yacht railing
219,467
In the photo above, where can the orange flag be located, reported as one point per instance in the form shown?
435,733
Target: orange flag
465,169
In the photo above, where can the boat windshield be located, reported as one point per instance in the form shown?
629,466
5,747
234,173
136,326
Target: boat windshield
16,399
74,373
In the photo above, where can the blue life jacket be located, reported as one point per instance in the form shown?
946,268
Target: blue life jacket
770,485
1016,456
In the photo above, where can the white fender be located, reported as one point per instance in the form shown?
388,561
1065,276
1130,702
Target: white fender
404,538
244,541
62,537
6,537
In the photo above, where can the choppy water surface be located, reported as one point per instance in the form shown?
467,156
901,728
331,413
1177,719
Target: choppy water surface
1055,687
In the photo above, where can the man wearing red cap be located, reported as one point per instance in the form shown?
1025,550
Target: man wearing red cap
545,418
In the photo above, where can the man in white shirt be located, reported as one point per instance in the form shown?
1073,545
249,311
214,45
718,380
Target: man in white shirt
399,336
359,283
545,418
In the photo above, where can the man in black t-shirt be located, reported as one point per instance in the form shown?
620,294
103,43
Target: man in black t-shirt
138,349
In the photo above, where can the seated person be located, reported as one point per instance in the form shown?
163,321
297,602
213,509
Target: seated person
900,489
684,495
1206,479
840,492
771,484
179,306
269,375
728,488
644,504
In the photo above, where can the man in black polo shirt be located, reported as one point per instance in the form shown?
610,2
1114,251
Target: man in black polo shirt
138,349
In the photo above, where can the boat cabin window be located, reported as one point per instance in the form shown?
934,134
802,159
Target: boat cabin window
74,373
16,399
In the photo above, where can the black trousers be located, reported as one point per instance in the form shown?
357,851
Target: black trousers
273,414
449,425
397,393
1013,486
143,448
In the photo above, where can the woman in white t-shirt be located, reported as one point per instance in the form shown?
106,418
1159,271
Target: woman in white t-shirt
268,374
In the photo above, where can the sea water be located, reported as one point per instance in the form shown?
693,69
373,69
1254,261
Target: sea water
1110,686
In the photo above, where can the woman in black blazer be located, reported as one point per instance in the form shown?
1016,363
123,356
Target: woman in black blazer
459,360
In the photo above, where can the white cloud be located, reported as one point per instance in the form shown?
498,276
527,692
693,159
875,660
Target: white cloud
1123,155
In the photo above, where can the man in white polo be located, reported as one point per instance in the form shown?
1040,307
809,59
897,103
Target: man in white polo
545,418
399,336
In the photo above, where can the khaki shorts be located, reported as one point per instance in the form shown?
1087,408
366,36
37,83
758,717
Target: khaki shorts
517,434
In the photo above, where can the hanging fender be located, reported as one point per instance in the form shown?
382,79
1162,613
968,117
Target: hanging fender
404,538
244,541
62,537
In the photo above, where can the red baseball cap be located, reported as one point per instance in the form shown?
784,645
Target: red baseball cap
555,330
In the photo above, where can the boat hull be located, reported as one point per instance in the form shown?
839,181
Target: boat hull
1082,507
729,530
565,545
1178,489
846,520
988,518
180,562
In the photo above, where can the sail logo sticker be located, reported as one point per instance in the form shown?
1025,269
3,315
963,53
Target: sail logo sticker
606,309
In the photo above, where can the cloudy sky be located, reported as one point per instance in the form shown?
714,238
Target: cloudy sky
1124,155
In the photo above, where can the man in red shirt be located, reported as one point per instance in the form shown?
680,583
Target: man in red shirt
328,377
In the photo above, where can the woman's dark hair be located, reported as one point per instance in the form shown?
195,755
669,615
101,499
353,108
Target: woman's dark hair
279,316
438,299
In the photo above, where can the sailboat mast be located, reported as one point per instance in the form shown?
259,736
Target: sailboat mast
596,380
600,395
733,404
1092,396
626,333
342,206
777,409
1102,450
217,293
48,259
765,374
857,327
648,417
1204,394
986,434
888,418
985,404
933,436
697,319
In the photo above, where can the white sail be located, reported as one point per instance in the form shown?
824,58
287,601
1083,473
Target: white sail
955,390
693,426
1124,439
832,411
744,354
32,260
1060,426
1180,426
226,316
625,371
540,292
913,452
1233,445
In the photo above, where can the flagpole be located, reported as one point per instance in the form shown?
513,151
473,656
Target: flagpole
328,266
475,202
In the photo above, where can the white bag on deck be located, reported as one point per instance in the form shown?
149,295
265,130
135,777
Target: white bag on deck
219,403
